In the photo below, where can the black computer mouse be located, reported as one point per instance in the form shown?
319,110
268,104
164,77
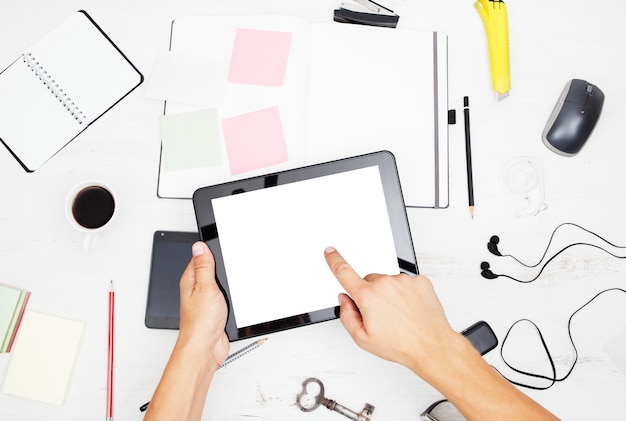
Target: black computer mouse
574,117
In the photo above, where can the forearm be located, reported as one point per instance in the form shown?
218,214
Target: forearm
475,388
182,391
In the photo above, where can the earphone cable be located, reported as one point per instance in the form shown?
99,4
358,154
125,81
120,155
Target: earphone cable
553,379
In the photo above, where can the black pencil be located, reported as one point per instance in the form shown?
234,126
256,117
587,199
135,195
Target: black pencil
468,156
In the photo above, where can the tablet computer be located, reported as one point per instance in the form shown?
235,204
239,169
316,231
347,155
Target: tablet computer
268,235
171,252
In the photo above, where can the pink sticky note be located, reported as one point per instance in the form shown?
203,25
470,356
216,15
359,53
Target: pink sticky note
259,57
254,140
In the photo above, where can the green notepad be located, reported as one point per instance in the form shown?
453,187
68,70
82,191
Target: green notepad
12,303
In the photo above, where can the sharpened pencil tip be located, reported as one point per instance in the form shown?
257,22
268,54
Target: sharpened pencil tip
471,209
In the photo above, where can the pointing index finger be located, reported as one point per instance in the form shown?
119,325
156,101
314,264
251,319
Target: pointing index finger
344,273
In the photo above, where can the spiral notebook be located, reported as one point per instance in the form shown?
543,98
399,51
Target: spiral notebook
59,86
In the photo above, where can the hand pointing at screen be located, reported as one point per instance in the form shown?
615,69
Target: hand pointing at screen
399,318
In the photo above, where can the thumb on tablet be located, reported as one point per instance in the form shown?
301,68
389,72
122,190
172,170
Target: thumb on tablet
351,318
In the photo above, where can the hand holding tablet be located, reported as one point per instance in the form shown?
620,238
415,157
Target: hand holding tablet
354,204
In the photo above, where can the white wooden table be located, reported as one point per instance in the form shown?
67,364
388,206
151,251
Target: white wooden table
551,42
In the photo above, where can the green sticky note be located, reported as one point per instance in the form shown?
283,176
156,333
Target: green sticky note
190,140
12,304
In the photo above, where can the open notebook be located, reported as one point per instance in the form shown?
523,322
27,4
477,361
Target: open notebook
342,90
58,87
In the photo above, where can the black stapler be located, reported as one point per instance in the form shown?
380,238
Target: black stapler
366,12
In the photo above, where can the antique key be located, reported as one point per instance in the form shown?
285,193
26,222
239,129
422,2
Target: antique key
312,396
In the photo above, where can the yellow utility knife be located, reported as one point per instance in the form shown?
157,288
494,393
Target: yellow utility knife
494,16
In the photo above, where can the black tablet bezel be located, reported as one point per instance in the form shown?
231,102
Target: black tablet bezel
207,227
165,313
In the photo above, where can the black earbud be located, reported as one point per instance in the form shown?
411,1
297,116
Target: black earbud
492,245
486,272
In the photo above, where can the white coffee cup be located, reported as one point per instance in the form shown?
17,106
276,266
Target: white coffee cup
90,206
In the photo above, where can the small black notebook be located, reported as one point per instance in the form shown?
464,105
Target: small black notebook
59,86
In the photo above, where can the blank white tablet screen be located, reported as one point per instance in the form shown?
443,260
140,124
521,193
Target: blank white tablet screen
273,242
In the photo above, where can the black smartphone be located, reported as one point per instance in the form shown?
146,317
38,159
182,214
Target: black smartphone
481,336
171,252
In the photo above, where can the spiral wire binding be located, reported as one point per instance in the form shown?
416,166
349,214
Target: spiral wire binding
54,87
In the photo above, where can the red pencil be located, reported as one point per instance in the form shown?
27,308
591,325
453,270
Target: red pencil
109,414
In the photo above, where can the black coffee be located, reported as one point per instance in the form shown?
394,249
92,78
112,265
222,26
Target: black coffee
93,207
